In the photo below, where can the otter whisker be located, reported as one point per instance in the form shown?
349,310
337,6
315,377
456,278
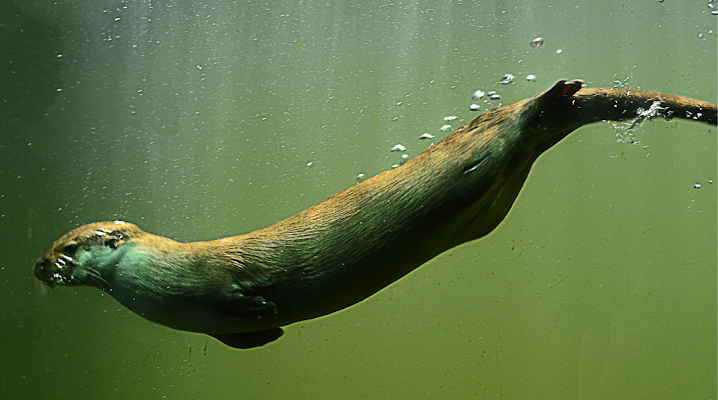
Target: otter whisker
94,278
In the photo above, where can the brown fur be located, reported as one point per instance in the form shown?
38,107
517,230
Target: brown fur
360,240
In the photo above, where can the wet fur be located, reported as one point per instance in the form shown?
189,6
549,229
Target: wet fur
243,289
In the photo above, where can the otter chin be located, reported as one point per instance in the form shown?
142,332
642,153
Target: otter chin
243,289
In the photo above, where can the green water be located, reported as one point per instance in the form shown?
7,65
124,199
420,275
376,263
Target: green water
197,121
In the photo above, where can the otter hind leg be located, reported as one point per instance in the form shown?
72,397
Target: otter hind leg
563,88
248,340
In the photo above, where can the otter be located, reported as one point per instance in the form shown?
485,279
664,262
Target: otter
243,289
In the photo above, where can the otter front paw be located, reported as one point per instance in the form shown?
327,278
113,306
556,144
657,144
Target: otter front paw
240,306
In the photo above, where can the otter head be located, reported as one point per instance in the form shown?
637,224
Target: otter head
86,255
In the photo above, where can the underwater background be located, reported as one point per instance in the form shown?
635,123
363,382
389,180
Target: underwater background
197,120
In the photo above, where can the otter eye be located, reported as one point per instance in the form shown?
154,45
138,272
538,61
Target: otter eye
70,249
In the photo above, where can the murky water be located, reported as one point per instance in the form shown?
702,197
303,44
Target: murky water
203,120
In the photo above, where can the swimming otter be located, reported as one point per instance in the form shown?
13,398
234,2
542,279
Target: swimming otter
243,289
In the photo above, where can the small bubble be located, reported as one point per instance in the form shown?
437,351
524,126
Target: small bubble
117,19
531,78
697,186
559,51
537,42
309,164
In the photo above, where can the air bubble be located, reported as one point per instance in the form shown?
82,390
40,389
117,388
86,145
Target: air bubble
506,79
477,95
537,42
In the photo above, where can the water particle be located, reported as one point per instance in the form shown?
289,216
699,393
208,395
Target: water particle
474,107
450,118
697,186
537,42
531,78
426,136
445,128
309,164
559,51
495,96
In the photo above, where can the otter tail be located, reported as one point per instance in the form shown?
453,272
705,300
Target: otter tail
595,104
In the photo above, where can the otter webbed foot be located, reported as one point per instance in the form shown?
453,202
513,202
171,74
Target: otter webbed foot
248,340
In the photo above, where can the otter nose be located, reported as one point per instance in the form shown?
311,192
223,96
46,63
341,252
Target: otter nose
39,264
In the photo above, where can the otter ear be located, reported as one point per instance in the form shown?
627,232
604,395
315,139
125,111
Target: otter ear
248,340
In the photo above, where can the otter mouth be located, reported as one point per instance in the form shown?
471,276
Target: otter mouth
64,272
57,273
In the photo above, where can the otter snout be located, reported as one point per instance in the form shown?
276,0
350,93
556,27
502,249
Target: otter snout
39,270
